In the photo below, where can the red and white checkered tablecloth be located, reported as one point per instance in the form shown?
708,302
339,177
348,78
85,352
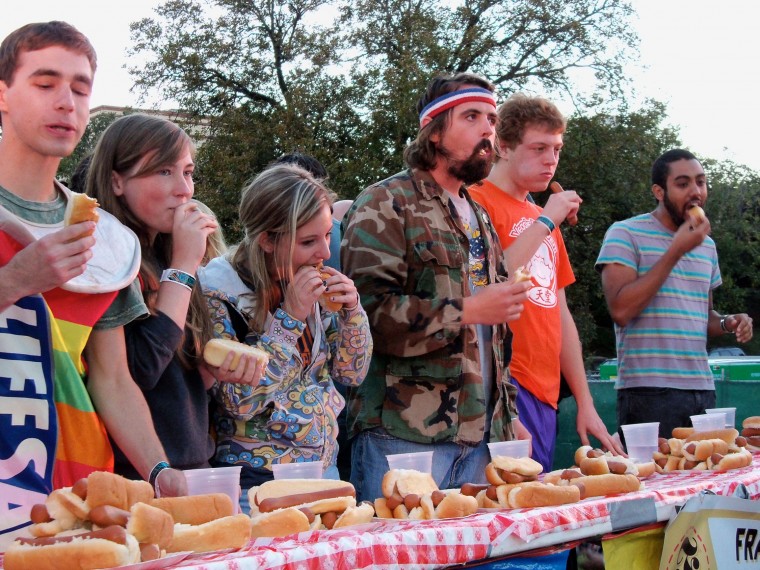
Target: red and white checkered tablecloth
435,544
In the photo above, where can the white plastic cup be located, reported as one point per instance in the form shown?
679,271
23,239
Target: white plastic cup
641,440
730,415
420,461
708,422
299,470
214,480
515,448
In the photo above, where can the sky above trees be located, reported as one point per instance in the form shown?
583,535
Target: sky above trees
698,57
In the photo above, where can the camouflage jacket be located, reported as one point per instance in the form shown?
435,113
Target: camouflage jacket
408,257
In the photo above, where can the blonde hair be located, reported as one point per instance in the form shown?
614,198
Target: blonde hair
216,245
277,202
126,142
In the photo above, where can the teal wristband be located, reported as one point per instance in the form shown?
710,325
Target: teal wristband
160,466
547,222
179,277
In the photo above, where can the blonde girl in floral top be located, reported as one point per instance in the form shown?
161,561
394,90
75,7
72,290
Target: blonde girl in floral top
265,293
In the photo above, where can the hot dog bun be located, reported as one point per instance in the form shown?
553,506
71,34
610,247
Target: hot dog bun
287,506
320,495
227,532
80,208
283,522
79,553
697,214
510,470
196,509
150,525
728,435
521,274
324,300
542,495
403,482
603,485
217,349
105,488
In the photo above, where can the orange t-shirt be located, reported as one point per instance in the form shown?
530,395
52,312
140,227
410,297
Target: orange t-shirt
537,339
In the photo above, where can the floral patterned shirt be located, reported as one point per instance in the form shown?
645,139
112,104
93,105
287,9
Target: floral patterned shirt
291,415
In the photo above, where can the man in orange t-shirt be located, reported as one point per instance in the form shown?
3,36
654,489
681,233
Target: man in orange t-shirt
545,342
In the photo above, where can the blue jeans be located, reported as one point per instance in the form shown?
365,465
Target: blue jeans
245,505
453,464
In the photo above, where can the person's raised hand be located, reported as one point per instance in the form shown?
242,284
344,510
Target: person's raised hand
303,292
340,288
562,205
189,232
690,234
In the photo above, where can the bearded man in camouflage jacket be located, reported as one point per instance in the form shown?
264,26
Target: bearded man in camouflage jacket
428,266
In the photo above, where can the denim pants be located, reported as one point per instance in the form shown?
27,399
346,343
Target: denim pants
453,464
669,406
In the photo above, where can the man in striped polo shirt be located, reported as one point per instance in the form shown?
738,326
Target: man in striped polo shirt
658,272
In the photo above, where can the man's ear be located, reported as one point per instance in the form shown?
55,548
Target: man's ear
434,137
658,191
3,104
265,242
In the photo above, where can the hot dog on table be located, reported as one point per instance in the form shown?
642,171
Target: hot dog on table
410,494
513,483
288,506
715,450
751,432
105,521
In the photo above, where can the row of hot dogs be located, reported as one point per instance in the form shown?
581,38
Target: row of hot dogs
106,521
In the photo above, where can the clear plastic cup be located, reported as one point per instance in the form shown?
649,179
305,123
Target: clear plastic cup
214,480
641,440
299,470
730,415
421,461
708,422
515,448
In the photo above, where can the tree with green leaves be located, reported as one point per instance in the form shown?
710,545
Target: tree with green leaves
340,79
95,128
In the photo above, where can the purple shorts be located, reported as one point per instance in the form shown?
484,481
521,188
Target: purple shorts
540,419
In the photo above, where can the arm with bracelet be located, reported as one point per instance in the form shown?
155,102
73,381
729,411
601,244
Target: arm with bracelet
739,324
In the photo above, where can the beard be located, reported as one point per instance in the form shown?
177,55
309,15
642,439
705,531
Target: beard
672,211
472,169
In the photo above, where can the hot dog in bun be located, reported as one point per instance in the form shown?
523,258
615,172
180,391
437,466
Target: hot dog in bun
286,506
751,432
69,508
324,300
217,349
203,523
106,548
411,494
603,485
